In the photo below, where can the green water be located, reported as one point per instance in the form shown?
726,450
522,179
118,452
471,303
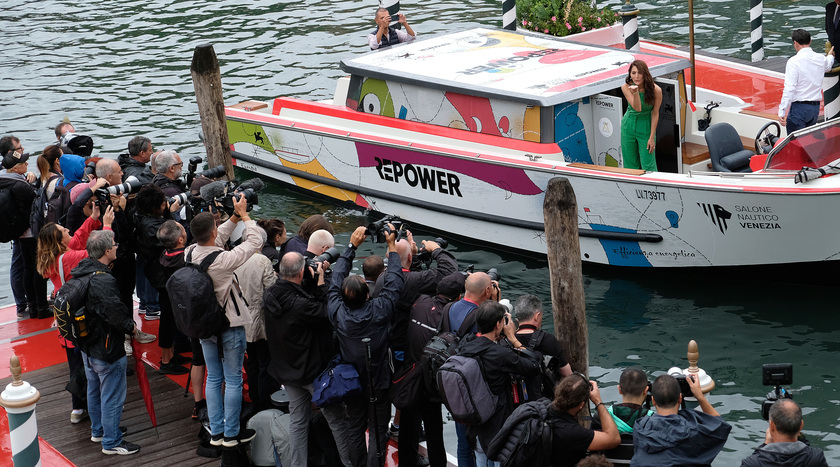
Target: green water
120,69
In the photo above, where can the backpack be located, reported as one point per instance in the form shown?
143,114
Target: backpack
525,438
74,323
441,346
14,222
465,391
197,312
47,209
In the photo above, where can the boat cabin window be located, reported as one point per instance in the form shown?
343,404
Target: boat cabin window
815,148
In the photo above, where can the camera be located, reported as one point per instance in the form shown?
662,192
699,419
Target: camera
494,274
775,374
329,256
227,200
90,169
193,165
215,172
682,379
379,230
131,185
182,199
424,256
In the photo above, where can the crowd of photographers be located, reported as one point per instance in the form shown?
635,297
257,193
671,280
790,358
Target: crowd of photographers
293,306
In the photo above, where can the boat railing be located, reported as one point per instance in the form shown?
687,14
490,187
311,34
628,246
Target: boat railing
743,175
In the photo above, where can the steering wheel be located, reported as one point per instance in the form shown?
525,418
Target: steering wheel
764,136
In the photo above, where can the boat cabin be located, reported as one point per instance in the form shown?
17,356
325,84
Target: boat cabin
522,86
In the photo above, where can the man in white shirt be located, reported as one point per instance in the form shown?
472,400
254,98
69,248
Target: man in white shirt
384,35
800,105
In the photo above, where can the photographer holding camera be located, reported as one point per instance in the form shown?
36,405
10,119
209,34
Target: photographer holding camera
134,163
678,436
358,318
169,168
782,445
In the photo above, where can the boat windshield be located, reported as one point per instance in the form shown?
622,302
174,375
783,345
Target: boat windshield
815,148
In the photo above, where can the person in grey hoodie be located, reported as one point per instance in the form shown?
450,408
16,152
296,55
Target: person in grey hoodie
224,355
782,445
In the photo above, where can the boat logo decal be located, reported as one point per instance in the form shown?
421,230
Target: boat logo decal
717,214
431,171
393,171
757,217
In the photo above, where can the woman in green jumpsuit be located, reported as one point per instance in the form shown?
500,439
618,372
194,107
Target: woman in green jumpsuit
638,127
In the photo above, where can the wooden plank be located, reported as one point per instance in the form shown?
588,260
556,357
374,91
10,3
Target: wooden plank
693,153
604,168
173,443
250,106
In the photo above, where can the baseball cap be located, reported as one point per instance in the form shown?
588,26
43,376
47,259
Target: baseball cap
13,158
452,285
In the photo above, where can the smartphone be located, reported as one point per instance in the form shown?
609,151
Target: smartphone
395,18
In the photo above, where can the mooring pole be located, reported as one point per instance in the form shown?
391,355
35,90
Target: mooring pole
564,265
831,91
509,14
756,29
207,80
630,19
19,400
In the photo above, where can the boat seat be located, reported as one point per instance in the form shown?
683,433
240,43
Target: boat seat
726,149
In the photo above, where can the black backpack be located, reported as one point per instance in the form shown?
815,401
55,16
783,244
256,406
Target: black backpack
525,438
72,319
197,312
14,222
442,345
49,209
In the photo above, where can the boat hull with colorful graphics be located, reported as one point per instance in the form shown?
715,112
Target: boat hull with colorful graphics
470,154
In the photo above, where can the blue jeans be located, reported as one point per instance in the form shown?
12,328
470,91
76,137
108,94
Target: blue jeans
105,397
224,410
482,461
466,455
801,116
145,292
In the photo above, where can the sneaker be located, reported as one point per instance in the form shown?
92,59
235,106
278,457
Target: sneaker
152,315
77,415
172,369
123,449
393,431
180,359
217,440
141,310
128,351
244,436
23,312
98,439
144,337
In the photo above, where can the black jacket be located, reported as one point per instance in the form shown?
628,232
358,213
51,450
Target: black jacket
373,319
423,321
149,247
111,319
133,167
497,364
416,284
833,33
22,194
300,333
170,187
797,454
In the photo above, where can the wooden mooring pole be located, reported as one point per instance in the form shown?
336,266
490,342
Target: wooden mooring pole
564,265
207,79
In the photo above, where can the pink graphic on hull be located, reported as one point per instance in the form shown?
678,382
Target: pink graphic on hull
440,173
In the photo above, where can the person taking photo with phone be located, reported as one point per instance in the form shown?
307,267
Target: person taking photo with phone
385,35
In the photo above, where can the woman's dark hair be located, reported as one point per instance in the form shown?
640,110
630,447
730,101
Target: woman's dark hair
46,161
273,228
354,292
311,224
647,80
149,200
